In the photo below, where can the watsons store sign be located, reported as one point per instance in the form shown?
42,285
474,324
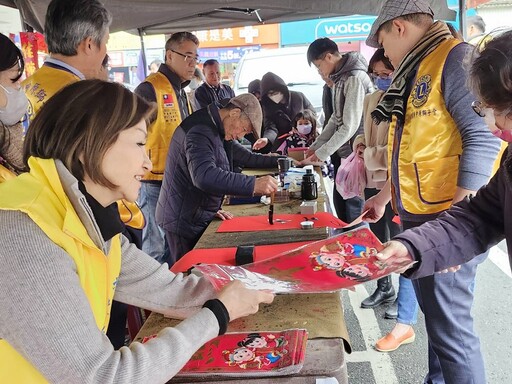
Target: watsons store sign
343,29
338,29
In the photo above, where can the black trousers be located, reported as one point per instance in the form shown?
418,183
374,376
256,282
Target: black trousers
116,331
385,229
347,210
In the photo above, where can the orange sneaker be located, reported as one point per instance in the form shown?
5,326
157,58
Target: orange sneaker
390,343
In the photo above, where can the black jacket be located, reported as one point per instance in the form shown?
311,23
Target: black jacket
199,172
206,94
277,118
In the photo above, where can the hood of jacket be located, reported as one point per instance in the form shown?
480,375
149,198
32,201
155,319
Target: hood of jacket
271,82
350,61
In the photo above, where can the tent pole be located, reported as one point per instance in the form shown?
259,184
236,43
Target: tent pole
462,18
143,51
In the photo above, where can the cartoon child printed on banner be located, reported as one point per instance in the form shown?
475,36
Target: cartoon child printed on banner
262,343
245,358
327,260
357,272
348,249
256,351
350,261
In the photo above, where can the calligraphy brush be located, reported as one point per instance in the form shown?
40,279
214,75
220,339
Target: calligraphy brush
271,209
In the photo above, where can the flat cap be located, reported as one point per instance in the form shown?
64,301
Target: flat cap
250,105
393,9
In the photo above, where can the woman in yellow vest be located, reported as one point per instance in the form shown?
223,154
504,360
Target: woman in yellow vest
64,260
13,107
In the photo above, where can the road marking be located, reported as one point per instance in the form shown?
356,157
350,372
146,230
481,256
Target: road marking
381,362
500,258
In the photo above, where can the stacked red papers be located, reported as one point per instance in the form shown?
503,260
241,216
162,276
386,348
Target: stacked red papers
249,354
283,221
329,265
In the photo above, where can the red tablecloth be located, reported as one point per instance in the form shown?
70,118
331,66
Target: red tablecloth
226,256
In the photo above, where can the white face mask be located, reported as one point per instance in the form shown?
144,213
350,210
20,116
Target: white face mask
276,97
16,107
304,129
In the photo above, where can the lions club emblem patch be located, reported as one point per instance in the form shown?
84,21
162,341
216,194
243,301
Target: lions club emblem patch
421,90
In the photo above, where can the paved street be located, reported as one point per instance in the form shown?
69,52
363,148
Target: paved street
407,365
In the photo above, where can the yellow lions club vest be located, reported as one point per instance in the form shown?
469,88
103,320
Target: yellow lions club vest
5,174
425,155
161,131
40,87
43,84
40,195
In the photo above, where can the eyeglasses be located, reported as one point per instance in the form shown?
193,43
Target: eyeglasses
187,58
480,109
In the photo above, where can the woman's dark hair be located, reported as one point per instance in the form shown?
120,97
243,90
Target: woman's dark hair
379,56
490,71
10,55
80,123
306,114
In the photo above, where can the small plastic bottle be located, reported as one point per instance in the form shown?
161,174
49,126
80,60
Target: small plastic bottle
308,187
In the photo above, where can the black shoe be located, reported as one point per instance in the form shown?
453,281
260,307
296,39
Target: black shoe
385,293
392,311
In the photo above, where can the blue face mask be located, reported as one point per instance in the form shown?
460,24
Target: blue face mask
382,84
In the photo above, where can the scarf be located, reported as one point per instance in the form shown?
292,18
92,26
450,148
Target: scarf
394,100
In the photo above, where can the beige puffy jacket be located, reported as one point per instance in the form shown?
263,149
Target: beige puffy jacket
375,138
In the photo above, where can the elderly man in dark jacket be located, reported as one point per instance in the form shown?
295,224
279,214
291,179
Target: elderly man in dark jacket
280,105
199,170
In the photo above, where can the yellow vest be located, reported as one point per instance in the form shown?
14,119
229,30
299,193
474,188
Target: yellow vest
43,84
5,174
40,87
425,155
40,194
161,131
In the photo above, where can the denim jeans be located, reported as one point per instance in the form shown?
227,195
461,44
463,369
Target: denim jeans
385,229
407,302
454,348
153,237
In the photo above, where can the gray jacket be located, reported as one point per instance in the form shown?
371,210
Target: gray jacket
351,85
47,317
